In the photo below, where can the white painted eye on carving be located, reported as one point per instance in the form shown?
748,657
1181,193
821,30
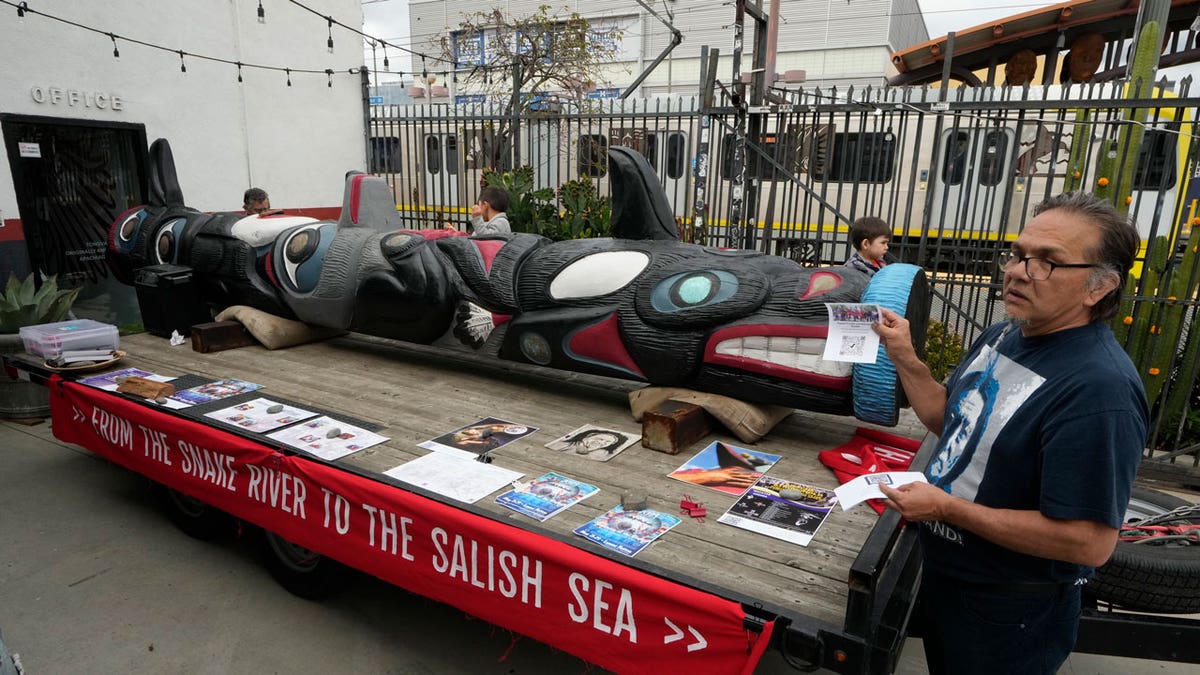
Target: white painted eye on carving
299,247
598,274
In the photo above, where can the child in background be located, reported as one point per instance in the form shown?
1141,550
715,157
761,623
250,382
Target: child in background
869,236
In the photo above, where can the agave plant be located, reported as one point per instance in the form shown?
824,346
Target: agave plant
22,304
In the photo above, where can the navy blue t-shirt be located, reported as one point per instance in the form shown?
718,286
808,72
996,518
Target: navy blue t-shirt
1055,423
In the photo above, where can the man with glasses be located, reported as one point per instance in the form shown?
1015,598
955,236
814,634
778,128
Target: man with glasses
1031,488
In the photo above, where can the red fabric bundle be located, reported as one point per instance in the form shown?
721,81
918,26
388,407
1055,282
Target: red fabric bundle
870,451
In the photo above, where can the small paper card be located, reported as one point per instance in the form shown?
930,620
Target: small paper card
866,487
851,336
479,437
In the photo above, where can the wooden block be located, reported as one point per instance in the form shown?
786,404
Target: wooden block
217,336
672,426
143,388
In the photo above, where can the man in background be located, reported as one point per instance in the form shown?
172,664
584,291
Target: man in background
256,202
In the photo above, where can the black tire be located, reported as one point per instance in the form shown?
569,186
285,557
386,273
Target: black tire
194,517
302,572
1151,577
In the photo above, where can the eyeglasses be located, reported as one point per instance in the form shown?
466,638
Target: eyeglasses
1038,269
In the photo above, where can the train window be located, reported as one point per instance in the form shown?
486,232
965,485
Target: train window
385,154
651,150
991,164
860,157
433,155
452,155
593,155
676,154
954,161
785,155
1156,161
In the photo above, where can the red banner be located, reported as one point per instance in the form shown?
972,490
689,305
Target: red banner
612,615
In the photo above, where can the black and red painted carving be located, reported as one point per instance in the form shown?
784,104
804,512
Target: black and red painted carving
641,305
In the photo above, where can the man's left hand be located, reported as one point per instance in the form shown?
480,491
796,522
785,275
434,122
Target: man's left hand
917,501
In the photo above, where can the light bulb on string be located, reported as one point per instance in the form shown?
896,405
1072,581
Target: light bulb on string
385,59
116,52
182,65
329,77
21,7
329,42
239,65
289,75
262,13
424,70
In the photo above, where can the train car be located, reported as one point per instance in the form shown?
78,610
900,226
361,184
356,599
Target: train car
956,179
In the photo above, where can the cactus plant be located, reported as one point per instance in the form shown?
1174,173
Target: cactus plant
23,304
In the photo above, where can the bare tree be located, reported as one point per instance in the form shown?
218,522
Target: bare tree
524,66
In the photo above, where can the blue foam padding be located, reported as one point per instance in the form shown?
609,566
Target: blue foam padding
875,385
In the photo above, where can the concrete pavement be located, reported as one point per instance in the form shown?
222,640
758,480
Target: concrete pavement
95,579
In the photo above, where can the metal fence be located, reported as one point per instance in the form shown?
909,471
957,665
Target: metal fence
956,174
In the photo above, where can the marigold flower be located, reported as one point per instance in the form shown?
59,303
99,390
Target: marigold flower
1127,320
1154,371
1102,181
1128,201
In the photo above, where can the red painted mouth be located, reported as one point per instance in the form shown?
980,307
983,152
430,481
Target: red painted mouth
790,353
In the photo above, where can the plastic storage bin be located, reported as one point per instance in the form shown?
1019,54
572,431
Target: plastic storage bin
48,340
168,299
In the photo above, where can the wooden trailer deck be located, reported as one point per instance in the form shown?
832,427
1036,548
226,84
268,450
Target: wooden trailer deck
843,599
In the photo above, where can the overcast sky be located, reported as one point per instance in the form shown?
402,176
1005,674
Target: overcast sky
388,19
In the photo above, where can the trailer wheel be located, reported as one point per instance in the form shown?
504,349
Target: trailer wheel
303,572
1152,576
194,517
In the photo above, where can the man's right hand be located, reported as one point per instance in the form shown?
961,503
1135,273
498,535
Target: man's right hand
895,334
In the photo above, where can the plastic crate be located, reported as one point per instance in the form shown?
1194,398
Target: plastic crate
169,299
48,340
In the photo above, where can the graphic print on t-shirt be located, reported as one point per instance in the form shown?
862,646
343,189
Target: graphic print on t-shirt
984,399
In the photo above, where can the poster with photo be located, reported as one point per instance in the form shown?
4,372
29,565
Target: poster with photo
214,391
627,532
593,442
479,437
782,509
725,467
327,438
260,415
546,495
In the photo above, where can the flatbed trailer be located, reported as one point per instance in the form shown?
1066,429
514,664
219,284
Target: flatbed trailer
705,597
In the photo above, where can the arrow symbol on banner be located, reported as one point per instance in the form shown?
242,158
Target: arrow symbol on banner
79,417
699,644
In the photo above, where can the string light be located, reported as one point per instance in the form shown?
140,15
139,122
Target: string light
329,77
239,65
385,61
289,75
262,13
21,7
182,65
424,71
116,52
329,42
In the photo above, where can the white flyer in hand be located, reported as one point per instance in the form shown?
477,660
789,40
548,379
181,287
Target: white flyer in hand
866,487
851,337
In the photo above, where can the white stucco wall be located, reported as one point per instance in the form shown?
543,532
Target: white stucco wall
297,142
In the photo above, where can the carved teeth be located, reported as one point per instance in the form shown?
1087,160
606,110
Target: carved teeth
789,352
